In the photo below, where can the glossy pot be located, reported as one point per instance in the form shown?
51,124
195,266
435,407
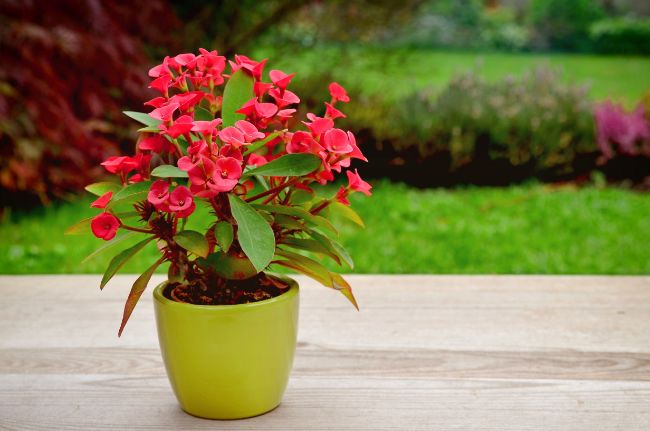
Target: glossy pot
228,361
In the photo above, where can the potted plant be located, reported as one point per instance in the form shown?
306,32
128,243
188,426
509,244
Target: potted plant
222,182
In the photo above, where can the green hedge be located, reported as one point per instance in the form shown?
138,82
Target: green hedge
621,36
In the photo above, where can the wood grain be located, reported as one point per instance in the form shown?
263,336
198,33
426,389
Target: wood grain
425,352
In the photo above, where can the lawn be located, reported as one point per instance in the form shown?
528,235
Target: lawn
528,229
398,71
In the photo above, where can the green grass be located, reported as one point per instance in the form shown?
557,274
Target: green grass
530,229
398,71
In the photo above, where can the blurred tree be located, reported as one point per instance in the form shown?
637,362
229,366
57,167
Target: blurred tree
563,25
230,25
233,25
67,69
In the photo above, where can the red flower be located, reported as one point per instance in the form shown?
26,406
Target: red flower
120,165
227,172
182,125
249,130
280,78
181,202
253,108
337,141
161,84
318,125
256,160
158,194
156,102
356,152
284,97
184,59
338,93
260,88
251,66
104,226
164,113
332,112
233,136
357,184
206,127
302,142
102,201
187,101
157,144
342,196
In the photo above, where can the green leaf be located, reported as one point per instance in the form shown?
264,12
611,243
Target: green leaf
342,286
229,265
136,292
120,259
316,221
100,188
343,254
238,90
310,245
109,244
202,114
143,118
289,165
150,129
131,193
301,196
288,222
318,272
254,234
259,144
346,212
225,234
193,241
80,228
307,266
334,247
168,171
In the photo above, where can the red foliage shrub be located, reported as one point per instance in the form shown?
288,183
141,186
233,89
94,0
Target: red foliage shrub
67,70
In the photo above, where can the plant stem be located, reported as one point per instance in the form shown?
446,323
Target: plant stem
274,190
135,229
321,207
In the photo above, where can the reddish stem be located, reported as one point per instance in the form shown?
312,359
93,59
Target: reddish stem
274,190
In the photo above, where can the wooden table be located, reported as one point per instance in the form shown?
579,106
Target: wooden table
424,353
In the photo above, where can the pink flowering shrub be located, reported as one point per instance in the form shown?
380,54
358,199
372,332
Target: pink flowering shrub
230,143
621,132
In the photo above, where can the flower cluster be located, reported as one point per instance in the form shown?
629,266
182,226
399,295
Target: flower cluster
189,134
618,131
229,140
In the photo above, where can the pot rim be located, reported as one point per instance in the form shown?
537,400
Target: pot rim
290,293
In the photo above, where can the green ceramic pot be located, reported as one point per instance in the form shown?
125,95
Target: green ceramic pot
228,361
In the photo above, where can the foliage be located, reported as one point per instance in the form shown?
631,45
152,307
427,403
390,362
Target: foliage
523,229
63,84
484,132
500,30
563,25
621,36
207,139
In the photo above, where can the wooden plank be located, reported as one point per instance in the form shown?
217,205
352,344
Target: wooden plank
319,360
105,402
425,352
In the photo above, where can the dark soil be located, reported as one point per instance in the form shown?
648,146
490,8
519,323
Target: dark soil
227,292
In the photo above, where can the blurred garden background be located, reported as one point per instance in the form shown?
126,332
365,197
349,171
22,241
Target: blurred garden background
504,136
